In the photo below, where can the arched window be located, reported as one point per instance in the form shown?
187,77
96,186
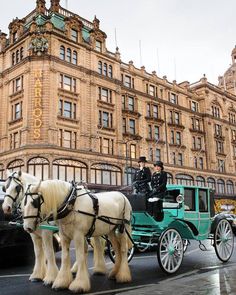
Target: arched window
220,186
15,165
75,58
21,53
184,179
38,167
200,181
105,69
62,52
100,67
128,175
13,58
211,183
230,187
110,72
17,56
1,171
105,174
169,178
68,55
66,169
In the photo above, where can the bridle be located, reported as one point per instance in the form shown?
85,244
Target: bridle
36,203
19,187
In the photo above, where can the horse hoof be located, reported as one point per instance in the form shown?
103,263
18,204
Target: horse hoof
36,280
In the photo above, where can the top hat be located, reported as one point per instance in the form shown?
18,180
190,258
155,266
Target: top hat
142,159
159,163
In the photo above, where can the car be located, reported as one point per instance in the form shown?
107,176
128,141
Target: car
15,244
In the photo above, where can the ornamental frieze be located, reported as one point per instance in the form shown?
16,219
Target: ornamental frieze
39,45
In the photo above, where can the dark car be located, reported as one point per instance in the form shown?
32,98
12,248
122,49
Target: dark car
15,244
230,217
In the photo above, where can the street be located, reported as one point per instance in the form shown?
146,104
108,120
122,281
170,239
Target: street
200,273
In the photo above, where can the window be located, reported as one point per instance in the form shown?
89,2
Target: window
17,84
124,125
189,199
173,158
200,181
174,118
132,126
196,124
230,187
152,90
75,58
201,163
105,69
15,165
232,118
14,37
215,111
203,204
105,94
105,174
150,153
74,35
106,146
175,137
131,103
184,179
21,53
13,58
39,167
194,106
173,98
100,67
221,165
110,71
98,46
67,109
156,133
220,186
67,83
68,55
105,119
150,131
172,137
157,155
148,110
155,111
17,111
180,159
219,146
233,133
69,170
133,151
15,140
178,138
218,130
67,139
127,81
62,52
211,183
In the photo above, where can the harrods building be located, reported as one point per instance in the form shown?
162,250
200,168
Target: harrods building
71,109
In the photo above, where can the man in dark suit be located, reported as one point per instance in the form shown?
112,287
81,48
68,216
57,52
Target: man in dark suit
142,177
158,184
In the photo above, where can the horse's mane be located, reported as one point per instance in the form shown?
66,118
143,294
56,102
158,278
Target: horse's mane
28,178
54,193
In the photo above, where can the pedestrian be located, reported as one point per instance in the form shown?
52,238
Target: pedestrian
142,177
158,184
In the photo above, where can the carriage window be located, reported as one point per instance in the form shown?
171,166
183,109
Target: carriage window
189,199
203,200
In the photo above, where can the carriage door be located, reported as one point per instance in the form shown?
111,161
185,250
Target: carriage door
204,212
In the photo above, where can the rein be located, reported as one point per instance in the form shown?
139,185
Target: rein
37,203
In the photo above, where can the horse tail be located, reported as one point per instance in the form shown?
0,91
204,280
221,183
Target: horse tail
127,218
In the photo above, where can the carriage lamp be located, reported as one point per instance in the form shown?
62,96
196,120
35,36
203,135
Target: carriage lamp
180,199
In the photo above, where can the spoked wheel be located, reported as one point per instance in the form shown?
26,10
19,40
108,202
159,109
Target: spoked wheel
170,250
112,255
185,244
224,240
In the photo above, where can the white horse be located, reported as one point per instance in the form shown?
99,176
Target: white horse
113,219
15,187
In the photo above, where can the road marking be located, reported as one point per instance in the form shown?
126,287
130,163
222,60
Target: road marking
15,276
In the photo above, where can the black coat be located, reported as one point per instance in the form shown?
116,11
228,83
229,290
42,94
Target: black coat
141,179
158,182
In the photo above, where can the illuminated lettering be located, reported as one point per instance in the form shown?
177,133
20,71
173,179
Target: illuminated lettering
37,111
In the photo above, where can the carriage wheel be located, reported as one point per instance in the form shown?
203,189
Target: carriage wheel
112,255
185,244
170,250
224,240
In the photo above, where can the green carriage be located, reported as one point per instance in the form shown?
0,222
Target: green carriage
188,215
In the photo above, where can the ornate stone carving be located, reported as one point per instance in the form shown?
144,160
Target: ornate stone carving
39,45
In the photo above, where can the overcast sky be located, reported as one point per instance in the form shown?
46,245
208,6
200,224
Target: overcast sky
182,39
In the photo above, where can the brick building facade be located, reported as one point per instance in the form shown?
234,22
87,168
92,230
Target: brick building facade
71,109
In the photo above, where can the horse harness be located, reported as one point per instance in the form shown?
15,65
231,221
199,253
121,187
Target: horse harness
19,187
68,206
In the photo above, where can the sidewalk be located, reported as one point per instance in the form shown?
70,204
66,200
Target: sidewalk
220,281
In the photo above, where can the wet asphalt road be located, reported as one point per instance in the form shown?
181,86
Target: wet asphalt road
144,268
